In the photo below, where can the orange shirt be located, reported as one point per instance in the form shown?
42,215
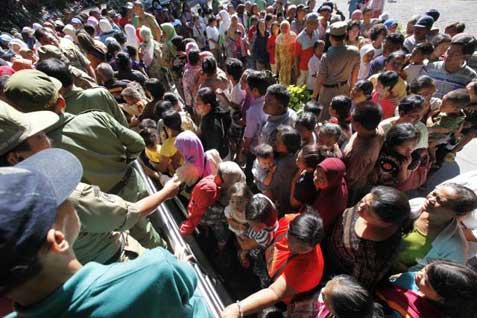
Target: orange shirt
302,272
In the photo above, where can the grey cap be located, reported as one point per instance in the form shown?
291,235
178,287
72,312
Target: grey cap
338,28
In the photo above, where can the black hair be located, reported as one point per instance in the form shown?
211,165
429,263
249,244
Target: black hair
341,104
365,86
113,48
155,87
40,32
392,206
259,209
207,95
318,43
171,97
353,23
258,80
89,29
281,94
351,300
123,61
338,37
290,138
306,120
178,42
330,129
234,68
399,134
423,81
241,189
263,151
172,119
131,50
57,69
120,37
307,228
465,199
459,97
395,38
368,114
440,38
312,106
410,104
388,79
211,19
394,55
425,48
149,135
377,30
147,123
209,65
194,56
457,286
311,155
161,107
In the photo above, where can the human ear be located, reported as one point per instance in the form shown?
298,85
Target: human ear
56,241
60,105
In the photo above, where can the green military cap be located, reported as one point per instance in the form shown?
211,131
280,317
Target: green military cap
51,51
31,90
16,127
338,28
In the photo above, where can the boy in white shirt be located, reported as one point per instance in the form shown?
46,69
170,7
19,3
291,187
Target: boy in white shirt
314,64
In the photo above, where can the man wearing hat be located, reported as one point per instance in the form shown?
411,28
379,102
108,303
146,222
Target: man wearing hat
453,73
143,18
39,269
105,218
80,77
105,148
339,69
304,47
421,32
79,100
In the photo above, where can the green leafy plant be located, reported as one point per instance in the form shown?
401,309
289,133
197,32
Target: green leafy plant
299,96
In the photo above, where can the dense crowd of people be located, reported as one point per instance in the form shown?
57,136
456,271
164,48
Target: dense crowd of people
297,135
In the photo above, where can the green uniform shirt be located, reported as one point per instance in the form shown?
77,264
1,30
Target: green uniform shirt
101,214
104,147
79,100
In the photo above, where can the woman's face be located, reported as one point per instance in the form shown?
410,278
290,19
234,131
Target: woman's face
237,202
382,91
405,149
275,29
425,287
234,21
202,108
354,32
262,27
284,28
319,178
412,117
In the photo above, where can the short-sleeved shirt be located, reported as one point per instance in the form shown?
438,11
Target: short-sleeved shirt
79,100
212,34
100,214
269,129
422,142
302,272
168,149
255,118
280,187
155,284
338,63
399,90
445,81
304,48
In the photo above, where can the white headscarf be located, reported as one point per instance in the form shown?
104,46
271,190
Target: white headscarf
132,39
105,26
225,21
148,45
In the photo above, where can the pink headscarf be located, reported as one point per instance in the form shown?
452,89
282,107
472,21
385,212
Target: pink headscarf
190,147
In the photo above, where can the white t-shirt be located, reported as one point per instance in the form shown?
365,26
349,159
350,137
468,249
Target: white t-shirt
237,95
212,34
313,68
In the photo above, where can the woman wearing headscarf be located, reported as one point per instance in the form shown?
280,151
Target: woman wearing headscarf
106,30
235,43
168,49
197,163
329,179
210,195
284,53
131,37
95,52
225,22
152,56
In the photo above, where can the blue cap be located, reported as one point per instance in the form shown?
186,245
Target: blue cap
390,23
425,22
30,194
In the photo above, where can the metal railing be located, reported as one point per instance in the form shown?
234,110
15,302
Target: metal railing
163,216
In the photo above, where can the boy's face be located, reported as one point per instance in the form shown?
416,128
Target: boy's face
416,56
238,203
427,92
304,133
265,163
319,50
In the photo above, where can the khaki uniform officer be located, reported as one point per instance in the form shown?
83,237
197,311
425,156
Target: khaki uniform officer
105,219
105,148
339,69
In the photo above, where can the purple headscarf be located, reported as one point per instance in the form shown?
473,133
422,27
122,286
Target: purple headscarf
190,147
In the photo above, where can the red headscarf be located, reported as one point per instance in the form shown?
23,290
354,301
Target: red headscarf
332,201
